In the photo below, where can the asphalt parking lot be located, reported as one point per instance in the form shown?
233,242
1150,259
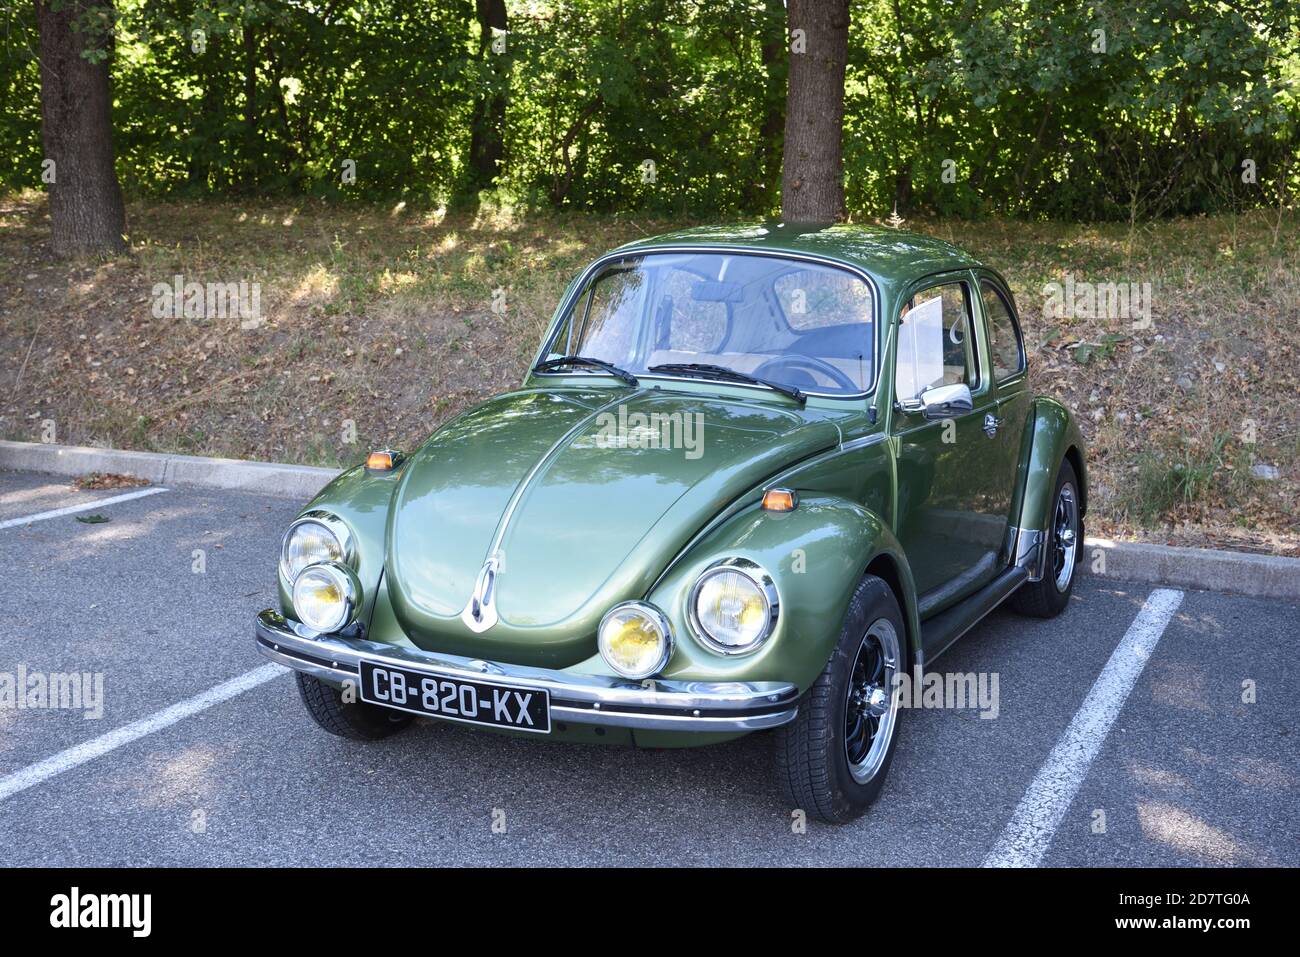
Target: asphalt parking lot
159,600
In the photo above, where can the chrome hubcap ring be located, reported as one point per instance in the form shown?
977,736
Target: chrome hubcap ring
871,706
1065,534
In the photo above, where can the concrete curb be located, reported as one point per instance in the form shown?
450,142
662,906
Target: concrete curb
265,478
1240,573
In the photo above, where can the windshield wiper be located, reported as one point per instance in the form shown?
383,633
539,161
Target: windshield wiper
708,371
609,367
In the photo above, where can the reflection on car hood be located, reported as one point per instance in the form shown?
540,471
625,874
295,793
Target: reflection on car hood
583,496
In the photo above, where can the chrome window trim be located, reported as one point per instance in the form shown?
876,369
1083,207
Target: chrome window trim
767,588
567,303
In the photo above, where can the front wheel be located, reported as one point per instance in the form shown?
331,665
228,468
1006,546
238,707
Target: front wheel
1064,544
347,717
833,758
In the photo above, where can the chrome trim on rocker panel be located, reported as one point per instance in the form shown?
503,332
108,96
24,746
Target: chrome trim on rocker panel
1029,552
865,441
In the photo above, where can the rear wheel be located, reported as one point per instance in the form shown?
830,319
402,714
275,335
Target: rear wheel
1064,544
833,758
348,719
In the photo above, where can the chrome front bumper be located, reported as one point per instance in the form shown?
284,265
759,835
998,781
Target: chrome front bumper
579,699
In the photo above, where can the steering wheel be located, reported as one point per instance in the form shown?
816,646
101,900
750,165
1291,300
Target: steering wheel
806,364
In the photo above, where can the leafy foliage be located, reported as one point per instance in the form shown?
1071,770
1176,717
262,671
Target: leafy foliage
1120,109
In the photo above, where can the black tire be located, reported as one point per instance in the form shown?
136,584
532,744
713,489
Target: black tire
1045,599
812,760
356,720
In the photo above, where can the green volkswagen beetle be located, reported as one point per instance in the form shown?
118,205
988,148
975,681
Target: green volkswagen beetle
754,477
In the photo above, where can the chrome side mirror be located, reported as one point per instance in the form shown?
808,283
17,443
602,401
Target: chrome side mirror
946,402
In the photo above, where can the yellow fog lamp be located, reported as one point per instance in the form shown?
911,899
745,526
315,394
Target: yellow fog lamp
635,639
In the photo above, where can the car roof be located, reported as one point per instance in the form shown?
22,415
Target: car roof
888,255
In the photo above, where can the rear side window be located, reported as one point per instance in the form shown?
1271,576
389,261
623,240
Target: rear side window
935,347
1005,351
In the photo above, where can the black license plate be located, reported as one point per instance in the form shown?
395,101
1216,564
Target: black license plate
455,699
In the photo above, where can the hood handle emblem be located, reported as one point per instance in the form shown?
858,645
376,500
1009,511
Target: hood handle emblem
480,613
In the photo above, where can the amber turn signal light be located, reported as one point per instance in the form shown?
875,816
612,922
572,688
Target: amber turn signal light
779,500
384,460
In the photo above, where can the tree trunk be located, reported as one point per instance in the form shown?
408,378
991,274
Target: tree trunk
487,148
86,211
812,183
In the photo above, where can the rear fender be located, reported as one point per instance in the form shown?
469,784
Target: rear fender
1055,434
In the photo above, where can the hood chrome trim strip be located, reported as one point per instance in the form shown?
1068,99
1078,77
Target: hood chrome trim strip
480,612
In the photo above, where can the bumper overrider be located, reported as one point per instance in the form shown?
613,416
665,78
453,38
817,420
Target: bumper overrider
664,705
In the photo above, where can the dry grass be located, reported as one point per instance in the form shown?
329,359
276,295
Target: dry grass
378,318
381,321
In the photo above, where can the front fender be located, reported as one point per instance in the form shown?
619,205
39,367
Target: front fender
816,555
1055,433
360,498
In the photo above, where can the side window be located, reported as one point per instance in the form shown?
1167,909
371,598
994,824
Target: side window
820,297
934,342
1005,350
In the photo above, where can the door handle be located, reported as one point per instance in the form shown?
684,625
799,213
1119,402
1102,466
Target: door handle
991,423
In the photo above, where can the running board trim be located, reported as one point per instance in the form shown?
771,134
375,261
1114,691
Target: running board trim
939,633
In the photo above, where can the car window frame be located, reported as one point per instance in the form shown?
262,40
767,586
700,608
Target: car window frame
581,283
999,287
960,277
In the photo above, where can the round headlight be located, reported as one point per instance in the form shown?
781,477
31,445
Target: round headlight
310,541
733,606
635,639
326,597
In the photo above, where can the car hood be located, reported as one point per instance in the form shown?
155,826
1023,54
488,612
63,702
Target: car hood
580,500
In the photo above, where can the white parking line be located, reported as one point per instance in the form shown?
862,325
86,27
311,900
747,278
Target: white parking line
73,509
1027,835
97,747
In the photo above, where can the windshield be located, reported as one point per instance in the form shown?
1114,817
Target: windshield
800,324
